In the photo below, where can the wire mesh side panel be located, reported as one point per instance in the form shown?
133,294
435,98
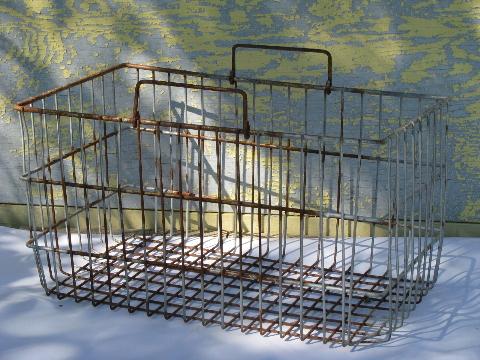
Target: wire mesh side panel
331,236
71,169
417,169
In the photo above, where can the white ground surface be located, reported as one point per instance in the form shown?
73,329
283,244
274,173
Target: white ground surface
446,325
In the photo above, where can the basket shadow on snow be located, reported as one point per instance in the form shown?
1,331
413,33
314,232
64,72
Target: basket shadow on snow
449,308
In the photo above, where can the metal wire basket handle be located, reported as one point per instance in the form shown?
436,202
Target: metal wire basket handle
243,94
328,84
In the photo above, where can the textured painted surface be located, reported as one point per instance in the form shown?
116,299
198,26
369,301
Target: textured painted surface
427,46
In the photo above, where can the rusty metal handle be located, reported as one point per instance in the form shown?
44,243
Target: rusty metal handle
136,114
329,82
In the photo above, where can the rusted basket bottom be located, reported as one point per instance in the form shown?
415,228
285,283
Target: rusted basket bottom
233,290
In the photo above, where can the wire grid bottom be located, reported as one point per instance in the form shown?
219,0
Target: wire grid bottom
237,290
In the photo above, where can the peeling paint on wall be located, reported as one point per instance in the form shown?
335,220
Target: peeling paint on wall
428,46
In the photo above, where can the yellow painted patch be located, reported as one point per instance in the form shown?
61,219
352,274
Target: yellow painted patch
461,68
37,6
423,27
471,210
238,17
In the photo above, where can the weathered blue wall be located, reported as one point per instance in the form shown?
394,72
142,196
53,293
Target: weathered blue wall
422,46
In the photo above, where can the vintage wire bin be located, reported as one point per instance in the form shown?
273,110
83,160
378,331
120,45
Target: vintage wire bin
309,211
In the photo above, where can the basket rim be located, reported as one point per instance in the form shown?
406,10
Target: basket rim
28,101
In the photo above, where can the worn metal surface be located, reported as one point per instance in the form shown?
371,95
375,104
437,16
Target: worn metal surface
193,143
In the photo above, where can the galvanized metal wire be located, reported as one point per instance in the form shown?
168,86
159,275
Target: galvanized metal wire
270,206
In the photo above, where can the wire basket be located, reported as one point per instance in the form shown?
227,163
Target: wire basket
309,211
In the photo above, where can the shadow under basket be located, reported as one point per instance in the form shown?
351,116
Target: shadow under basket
308,211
